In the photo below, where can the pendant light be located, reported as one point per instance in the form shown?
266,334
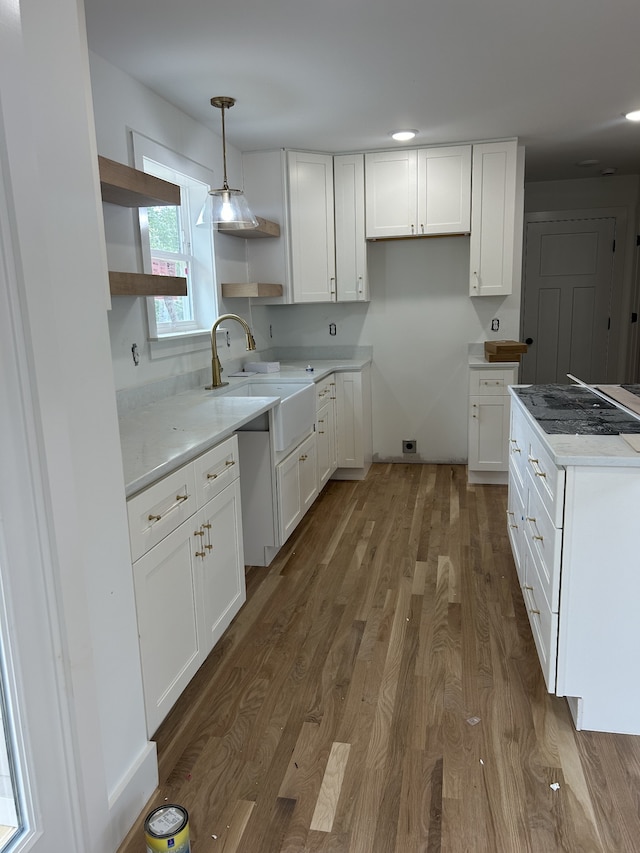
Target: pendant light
226,206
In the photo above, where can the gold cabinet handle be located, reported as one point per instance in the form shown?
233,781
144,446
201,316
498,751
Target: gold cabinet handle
211,476
207,526
209,547
200,554
539,538
230,462
530,588
537,612
531,519
182,497
154,517
198,532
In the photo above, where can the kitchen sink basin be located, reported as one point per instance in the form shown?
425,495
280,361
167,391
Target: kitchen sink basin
293,416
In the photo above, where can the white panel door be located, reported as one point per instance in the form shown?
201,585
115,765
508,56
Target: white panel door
568,280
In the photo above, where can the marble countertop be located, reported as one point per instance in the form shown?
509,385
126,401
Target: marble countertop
591,450
159,437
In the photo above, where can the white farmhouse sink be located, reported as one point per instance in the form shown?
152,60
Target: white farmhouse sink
294,415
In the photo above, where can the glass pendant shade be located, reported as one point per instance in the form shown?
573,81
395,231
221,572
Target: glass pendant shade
226,206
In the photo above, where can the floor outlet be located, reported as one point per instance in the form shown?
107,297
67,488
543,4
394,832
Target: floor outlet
409,445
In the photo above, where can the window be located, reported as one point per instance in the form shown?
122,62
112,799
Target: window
172,245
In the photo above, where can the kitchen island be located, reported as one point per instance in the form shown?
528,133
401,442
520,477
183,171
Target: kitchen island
573,507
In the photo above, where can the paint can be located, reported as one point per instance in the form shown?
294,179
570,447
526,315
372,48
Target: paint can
166,830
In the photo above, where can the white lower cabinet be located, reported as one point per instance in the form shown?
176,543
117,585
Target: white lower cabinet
326,444
489,409
353,424
297,486
573,535
190,584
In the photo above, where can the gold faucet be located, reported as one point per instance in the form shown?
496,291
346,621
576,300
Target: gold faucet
216,369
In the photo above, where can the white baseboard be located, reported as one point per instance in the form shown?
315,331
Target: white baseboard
133,792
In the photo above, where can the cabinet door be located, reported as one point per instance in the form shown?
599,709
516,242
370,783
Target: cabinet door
308,473
166,606
493,214
391,193
311,222
289,501
220,572
488,433
351,248
444,190
349,420
326,441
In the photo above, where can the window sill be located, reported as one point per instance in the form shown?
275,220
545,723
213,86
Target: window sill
180,343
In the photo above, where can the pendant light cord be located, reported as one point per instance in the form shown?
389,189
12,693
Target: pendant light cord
225,184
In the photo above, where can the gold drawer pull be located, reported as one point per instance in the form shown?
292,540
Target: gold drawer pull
200,554
230,462
182,497
514,526
532,520
537,612
198,532
539,538
211,476
530,588
209,547
207,526
303,457
154,517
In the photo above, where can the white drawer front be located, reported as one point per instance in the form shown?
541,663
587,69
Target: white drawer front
215,469
544,626
325,390
154,513
518,446
547,478
515,523
545,542
491,380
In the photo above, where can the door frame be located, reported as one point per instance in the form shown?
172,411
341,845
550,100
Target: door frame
620,337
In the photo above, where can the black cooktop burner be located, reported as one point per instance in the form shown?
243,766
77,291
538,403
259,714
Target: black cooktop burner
574,410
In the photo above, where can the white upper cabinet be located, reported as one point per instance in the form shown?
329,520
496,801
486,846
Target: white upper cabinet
493,259
320,255
418,192
352,283
444,190
311,223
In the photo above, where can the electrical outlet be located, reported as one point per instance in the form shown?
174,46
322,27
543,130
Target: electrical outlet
495,325
409,445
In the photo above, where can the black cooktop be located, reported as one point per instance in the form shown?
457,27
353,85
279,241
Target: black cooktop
574,410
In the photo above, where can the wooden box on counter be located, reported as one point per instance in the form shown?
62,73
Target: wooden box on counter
503,350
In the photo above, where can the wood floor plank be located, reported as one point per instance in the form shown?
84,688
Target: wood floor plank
380,692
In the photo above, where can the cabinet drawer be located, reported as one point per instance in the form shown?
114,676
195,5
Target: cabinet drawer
160,509
490,380
325,390
545,542
547,478
518,445
515,523
544,624
215,469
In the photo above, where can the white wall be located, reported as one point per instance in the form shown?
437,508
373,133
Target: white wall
420,321
121,105
48,148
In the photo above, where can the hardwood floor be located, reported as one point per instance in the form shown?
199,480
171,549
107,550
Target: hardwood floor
380,693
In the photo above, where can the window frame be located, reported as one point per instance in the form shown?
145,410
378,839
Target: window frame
192,335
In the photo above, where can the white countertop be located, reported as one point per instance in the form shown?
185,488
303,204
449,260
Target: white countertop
161,436
592,450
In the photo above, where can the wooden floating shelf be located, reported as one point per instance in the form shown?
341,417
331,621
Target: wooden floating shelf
265,228
253,288
143,284
129,187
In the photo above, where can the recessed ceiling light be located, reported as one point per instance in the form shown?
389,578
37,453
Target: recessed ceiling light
403,135
633,116
588,163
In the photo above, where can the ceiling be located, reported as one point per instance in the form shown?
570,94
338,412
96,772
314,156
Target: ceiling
340,75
